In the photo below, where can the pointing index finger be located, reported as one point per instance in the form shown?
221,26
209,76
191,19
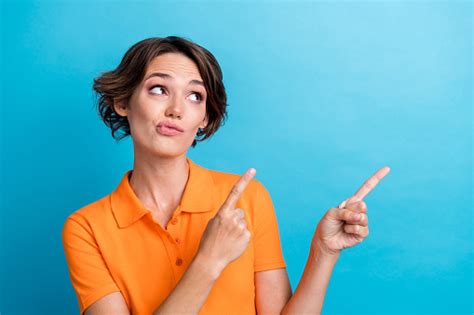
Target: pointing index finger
370,184
238,188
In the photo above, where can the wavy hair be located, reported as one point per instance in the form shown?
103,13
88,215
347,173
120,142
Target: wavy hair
121,82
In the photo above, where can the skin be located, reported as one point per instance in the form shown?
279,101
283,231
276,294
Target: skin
160,169
347,225
341,227
159,177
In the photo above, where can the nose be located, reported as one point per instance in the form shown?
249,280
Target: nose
174,109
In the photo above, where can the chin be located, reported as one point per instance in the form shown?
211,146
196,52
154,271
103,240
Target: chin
167,147
170,147
168,150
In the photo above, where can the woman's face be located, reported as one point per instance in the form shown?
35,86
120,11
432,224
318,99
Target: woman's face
171,91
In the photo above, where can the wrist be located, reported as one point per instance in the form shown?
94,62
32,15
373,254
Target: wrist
208,266
319,251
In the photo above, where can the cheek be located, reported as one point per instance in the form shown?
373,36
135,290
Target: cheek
143,122
148,111
200,115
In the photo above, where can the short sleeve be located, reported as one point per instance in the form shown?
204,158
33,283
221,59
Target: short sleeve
89,274
268,251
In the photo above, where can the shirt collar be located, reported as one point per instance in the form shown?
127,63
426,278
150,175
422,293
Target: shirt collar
197,196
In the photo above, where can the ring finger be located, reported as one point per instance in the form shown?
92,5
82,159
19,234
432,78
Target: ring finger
360,230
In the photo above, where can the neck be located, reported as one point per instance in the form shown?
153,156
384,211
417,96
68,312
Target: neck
159,182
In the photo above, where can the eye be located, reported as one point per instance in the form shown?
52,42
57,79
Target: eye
156,86
200,96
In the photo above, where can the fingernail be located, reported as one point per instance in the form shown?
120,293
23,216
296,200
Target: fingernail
252,171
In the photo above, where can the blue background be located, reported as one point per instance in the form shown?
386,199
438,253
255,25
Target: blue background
321,96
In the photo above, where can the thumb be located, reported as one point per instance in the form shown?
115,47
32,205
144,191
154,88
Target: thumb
348,201
346,215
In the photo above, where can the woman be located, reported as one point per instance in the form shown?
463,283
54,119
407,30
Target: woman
175,237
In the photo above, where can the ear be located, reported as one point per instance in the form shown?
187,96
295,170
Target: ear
120,107
204,123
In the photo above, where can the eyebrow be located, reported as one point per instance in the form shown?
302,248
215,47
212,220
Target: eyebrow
168,77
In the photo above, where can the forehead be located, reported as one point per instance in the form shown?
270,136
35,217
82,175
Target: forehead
176,64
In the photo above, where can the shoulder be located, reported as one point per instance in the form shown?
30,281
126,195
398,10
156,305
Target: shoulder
225,181
88,216
255,199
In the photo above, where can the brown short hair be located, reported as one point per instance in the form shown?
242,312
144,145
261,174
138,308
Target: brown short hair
121,82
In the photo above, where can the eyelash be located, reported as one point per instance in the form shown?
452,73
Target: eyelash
162,87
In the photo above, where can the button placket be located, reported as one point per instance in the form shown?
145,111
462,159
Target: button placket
174,241
173,231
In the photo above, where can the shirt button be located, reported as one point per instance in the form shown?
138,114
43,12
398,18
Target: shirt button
174,221
179,262
178,240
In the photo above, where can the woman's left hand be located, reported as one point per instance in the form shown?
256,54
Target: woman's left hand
346,225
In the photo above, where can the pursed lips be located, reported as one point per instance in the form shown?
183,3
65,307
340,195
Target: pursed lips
168,130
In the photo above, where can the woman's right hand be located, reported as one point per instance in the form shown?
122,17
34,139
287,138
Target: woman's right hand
226,235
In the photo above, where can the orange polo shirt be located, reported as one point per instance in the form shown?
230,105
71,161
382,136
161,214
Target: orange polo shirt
114,244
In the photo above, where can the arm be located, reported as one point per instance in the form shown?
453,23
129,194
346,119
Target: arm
192,290
272,290
112,303
224,240
98,293
187,297
309,295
